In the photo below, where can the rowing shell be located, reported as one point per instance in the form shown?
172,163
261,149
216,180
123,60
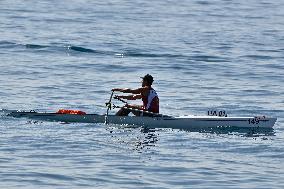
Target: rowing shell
160,121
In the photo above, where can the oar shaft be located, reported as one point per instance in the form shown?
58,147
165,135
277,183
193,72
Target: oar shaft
120,99
108,107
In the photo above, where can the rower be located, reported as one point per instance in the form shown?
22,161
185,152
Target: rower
146,93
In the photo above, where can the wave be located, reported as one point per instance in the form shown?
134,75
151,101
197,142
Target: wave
33,46
81,49
150,55
121,54
258,57
7,44
51,48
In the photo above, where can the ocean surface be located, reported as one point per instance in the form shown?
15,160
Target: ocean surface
204,55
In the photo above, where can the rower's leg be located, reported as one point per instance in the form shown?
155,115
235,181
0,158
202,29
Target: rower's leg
123,112
136,112
147,114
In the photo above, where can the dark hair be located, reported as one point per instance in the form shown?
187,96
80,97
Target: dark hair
148,78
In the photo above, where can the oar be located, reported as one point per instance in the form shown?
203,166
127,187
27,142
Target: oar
108,104
116,97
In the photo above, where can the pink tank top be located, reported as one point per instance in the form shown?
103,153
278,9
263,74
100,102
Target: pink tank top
151,102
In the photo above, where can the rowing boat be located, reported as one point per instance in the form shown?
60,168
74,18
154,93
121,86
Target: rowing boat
214,119
155,121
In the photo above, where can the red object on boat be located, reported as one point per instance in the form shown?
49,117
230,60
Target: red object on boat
63,111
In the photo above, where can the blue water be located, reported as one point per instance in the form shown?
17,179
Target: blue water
224,55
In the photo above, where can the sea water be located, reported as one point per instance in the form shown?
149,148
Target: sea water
204,55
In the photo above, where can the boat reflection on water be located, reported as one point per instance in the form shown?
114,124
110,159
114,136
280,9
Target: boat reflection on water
239,131
230,130
136,138
141,138
149,140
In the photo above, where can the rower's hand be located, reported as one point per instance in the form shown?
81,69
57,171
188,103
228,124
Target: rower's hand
117,97
115,89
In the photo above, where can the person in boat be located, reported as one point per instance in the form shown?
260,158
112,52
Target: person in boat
148,95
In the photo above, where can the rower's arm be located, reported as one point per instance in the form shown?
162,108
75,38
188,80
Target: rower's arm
130,97
127,90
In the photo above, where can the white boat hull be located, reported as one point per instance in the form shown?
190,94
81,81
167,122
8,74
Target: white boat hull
183,122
